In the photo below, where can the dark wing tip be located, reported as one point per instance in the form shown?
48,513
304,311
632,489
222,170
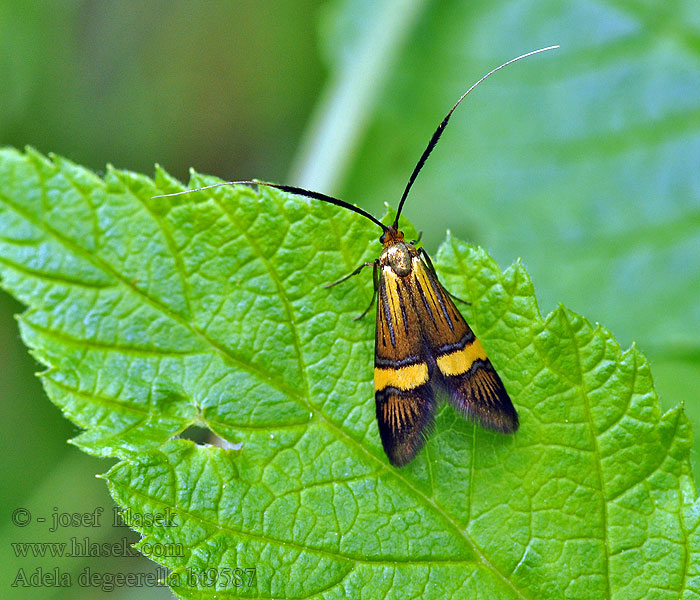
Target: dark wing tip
480,396
405,419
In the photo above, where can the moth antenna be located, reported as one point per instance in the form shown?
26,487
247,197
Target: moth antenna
292,190
438,132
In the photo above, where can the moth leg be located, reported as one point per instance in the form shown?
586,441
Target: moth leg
423,254
375,279
458,299
355,272
414,242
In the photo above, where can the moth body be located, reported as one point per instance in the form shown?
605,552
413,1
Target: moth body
423,344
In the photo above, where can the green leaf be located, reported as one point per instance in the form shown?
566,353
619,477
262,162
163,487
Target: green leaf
156,314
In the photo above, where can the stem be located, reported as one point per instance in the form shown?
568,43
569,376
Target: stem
343,112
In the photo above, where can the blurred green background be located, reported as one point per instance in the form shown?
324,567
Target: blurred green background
584,162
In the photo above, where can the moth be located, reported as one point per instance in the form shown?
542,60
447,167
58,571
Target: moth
422,342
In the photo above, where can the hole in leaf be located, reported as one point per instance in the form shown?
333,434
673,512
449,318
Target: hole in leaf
204,436
196,434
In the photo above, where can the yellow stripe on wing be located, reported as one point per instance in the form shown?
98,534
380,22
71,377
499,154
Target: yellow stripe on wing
403,378
392,292
422,278
460,361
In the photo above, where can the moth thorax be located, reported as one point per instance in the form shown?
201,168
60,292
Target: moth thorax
398,257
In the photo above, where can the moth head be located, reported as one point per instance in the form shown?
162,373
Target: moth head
391,236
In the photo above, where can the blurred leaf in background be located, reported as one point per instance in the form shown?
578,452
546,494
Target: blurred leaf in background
220,85
583,162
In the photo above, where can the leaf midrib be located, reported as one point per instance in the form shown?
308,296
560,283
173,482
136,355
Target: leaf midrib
583,394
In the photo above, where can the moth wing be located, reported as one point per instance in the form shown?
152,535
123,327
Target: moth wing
474,387
405,419
403,393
